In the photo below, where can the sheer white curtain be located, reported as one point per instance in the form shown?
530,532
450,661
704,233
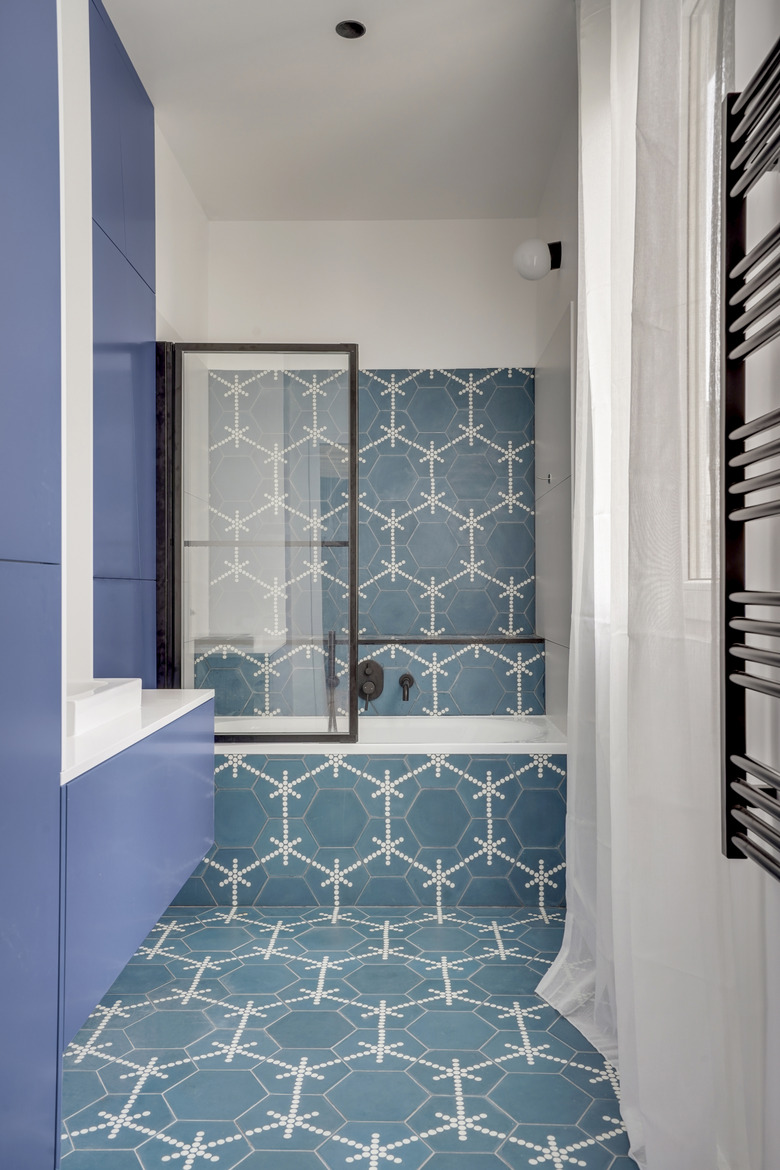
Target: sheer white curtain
662,960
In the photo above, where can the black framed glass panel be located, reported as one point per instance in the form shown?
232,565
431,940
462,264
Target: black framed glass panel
258,527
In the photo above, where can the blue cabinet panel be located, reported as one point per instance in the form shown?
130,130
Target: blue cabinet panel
123,417
122,147
137,127
125,623
135,828
29,860
105,76
30,282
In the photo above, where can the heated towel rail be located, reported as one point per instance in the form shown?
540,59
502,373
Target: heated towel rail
751,320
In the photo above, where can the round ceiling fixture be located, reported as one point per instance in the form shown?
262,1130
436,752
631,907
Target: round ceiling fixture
351,29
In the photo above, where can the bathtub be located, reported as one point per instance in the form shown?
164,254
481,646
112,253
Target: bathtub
422,811
473,734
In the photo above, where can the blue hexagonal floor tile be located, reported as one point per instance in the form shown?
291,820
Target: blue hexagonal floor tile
410,1034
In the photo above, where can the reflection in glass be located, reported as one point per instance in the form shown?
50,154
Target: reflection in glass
265,538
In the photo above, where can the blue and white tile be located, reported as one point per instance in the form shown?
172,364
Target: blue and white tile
316,1056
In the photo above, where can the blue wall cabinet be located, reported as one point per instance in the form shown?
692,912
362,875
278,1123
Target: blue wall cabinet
124,355
125,617
122,148
123,417
134,828
137,137
29,282
29,862
108,207
30,583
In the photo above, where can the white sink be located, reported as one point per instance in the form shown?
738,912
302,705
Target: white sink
100,700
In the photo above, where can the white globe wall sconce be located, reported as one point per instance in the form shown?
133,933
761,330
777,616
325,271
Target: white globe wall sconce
535,258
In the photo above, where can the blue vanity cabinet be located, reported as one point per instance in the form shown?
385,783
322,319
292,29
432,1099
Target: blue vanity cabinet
134,828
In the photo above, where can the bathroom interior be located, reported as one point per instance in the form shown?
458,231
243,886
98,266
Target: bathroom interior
303,542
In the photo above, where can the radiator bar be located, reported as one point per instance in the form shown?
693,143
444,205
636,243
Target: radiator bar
757,121
756,512
757,769
757,854
754,597
762,162
755,284
757,82
754,626
756,797
756,825
757,253
751,344
751,682
758,310
753,654
755,484
756,454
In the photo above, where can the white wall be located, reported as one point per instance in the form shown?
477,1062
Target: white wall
427,293
558,220
182,251
553,404
76,300
557,296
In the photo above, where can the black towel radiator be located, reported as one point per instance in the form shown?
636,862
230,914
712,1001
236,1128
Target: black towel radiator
750,320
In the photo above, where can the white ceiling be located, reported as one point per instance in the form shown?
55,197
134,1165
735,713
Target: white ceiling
446,109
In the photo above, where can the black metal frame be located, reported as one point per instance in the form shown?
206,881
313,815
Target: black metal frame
169,522
751,144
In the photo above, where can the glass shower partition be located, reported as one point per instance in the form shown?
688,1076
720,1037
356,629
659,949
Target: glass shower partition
257,553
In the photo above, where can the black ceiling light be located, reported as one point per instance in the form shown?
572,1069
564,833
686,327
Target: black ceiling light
351,29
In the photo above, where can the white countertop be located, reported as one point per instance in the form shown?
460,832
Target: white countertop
158,708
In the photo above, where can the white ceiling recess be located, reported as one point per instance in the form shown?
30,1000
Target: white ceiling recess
445,109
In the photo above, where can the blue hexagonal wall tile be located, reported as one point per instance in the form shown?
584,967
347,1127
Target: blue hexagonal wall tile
421,827
238,816
438,817
336,817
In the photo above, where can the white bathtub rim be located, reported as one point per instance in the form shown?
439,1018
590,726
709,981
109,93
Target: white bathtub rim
426,735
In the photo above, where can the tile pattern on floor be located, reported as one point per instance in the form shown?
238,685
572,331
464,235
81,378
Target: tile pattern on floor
430,828
284,1040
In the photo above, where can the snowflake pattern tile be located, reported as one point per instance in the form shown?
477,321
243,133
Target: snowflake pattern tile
433,829
301,1042
446,502
446,491
477,679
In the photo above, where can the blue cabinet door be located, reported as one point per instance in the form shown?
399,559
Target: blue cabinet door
108,204
135,828
125,623
30,599
137,131
29,283
122,147
124,419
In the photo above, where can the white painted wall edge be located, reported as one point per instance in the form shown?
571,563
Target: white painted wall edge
76,340
182,251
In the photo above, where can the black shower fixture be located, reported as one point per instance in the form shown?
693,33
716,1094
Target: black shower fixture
351,29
